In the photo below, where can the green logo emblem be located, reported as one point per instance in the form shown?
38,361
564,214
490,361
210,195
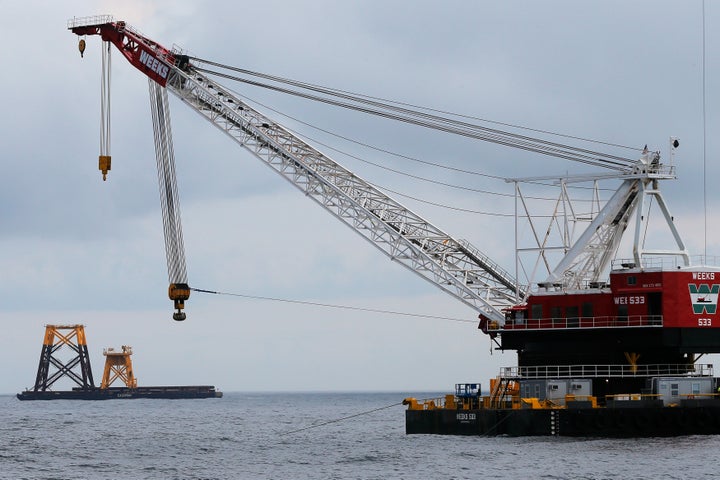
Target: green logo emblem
704,297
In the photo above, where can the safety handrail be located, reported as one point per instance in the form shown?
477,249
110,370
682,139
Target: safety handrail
623,321
606,371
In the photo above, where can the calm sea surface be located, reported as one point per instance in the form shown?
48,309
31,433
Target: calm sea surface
247,436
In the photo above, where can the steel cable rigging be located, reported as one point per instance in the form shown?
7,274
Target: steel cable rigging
362,144
409,158
178,290
330,305
428,109
396,111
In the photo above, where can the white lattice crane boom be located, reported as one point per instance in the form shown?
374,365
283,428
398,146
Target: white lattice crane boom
453,265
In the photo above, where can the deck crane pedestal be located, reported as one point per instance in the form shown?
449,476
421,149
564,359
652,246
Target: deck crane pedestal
594,354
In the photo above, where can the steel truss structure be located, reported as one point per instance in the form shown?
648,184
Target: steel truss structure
586,260
77,367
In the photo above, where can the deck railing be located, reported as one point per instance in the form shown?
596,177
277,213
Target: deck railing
624,321
665,262
605,371
89,21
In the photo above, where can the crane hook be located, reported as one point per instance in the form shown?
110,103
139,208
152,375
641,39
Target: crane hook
178,293
81,47
104,165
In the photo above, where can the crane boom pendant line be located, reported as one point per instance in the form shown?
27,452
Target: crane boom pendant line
178,291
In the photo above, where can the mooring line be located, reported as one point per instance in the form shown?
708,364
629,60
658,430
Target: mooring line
486,434
329,305
343,418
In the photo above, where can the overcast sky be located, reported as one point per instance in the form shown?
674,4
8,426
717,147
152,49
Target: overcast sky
75,249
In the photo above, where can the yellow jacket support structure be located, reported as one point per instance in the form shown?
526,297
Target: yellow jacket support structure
77,368
118,365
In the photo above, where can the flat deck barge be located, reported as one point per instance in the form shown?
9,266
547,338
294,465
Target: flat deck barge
118,366
671,400
172,392
641,419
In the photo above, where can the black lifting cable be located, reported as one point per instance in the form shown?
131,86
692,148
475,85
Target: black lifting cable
342,419
488,433
329,305
368,412
437,122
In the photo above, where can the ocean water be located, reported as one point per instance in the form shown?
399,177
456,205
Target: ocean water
301,436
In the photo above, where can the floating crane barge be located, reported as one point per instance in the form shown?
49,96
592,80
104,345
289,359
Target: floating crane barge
605,347
577,375
118,365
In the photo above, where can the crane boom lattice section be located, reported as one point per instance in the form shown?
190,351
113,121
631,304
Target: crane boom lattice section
454,266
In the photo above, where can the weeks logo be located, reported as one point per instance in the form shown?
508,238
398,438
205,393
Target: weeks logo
154,64
704,297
